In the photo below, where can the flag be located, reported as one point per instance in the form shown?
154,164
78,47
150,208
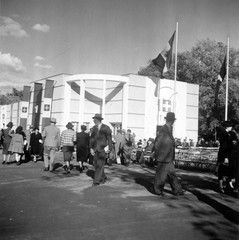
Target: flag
36,105
221,76
47,103
24,105
164,59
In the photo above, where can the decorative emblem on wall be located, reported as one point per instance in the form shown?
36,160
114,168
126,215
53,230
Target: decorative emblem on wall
47,107
24,109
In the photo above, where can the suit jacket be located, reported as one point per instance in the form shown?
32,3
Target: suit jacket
99,139
164,145
51,136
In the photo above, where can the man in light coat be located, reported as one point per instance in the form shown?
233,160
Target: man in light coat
51,137
164,153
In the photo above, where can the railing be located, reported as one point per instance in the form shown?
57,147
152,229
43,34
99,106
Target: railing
196,158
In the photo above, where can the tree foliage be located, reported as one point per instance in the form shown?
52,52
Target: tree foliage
201,66
14,96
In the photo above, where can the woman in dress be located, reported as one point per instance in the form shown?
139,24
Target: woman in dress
36,144
82,147
6,143
17,144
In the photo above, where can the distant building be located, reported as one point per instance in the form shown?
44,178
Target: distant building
126,102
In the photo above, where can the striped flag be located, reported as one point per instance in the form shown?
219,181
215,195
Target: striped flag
221,77
164,59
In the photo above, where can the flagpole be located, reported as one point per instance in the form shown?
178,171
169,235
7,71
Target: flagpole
226,100
175,71
158,94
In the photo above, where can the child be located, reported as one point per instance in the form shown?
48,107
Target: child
17,144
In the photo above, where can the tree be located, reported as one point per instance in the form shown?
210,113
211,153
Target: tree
201,66
13,97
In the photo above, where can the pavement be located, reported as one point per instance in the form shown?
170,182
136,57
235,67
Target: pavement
42,205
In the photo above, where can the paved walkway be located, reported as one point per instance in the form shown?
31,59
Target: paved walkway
41,205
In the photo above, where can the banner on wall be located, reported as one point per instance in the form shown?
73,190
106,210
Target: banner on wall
47,103
24,107
37,99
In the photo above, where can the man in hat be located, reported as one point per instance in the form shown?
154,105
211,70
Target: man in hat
99,139
51,137
68,139
164,153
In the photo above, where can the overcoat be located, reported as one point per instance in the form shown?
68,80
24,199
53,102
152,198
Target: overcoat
164,145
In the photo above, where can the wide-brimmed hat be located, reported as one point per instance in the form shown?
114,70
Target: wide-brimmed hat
98,116
10,124
170,116
227,124
53,120
69,125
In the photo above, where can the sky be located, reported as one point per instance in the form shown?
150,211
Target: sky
42,38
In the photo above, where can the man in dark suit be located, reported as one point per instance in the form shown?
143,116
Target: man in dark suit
100,146
164,153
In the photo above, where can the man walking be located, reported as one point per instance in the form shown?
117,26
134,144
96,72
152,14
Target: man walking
51,136
99,139
164,152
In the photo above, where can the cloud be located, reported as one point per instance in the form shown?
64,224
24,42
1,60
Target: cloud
11,63
42,66
41,28
9,27
14,15
39,58
9,80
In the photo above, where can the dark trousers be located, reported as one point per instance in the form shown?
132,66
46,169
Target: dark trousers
99,164
164,171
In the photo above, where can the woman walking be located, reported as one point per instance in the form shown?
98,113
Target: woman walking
36,144
6,142
82,147
68,138
17,144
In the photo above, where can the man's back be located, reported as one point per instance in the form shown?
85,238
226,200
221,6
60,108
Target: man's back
52,136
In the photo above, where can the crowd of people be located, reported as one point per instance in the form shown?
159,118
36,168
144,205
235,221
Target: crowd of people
98,147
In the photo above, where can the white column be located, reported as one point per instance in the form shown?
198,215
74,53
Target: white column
82,102
103,98
125,105
67,101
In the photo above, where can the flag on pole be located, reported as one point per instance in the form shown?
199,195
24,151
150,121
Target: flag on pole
221,76
164,59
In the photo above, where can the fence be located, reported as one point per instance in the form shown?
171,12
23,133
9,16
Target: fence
196,158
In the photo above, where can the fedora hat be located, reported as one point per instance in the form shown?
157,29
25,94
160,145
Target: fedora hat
227,124
53,120
69,125
10,124
170,116
98,116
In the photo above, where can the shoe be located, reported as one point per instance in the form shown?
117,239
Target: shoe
65,168
182,192
80,170
8,163
159,193
46,169
18,163
221,190
3,162
95,184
